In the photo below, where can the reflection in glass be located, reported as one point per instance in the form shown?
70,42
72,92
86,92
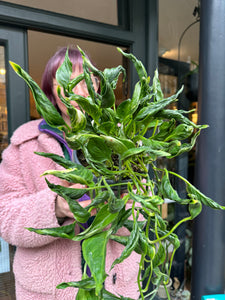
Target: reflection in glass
3,107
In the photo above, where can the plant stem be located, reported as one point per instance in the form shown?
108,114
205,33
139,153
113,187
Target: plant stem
139,275
136,179
171,231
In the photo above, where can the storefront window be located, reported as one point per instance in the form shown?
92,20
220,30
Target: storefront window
98,10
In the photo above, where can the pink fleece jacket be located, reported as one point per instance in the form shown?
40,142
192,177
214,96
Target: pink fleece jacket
42,262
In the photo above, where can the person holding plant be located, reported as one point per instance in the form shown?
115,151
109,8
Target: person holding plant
43,262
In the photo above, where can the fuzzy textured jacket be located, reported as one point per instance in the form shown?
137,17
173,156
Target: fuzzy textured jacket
42,262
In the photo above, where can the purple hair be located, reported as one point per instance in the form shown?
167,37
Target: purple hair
53,64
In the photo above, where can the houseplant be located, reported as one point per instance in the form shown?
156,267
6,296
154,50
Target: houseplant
120,145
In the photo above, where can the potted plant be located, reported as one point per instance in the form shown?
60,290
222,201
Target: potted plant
120,143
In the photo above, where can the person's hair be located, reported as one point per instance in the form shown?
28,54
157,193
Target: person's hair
53,64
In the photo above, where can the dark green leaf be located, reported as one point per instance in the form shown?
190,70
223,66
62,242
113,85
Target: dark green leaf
64,72
94,251
181,132
168,191
107,128
195,208
62,231
113,74
67,164
88,106
101,221
43,105
70,195
98,149
123,110
157,87
137,64
155,107
75,175
195,194
114,144
100,198
145,202
130,246
160,256
178,116
73,193
87,295
87,284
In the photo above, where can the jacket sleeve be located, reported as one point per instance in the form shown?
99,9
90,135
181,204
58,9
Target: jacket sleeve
25,201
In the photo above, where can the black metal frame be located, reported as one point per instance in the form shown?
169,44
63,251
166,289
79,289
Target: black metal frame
16,90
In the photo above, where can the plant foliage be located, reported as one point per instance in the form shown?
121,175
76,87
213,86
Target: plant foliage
102,132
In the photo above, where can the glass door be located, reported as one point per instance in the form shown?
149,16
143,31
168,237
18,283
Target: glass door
13,112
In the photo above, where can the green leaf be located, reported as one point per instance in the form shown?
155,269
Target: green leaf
87,295
181,132
178,116
172,238
185,147
113,74
155,107
98,149
160,256
88,106
107,128
70,195
62,231
65,163
86,284
108,97
74,175
123,110
77,119
122,217
135,100
101,221
64,72
137,64
164,130
195,208
157,87
168,191
142,150
71,85
116,145
100,198
73,193
130,246
195,194
43,105
94,252
145,202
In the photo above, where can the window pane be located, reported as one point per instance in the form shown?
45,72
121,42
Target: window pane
7,290
41,46
3,107
104,11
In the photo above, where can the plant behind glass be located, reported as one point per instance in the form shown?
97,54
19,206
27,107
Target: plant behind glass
118,153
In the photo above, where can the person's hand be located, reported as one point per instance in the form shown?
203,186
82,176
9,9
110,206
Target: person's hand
62,209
